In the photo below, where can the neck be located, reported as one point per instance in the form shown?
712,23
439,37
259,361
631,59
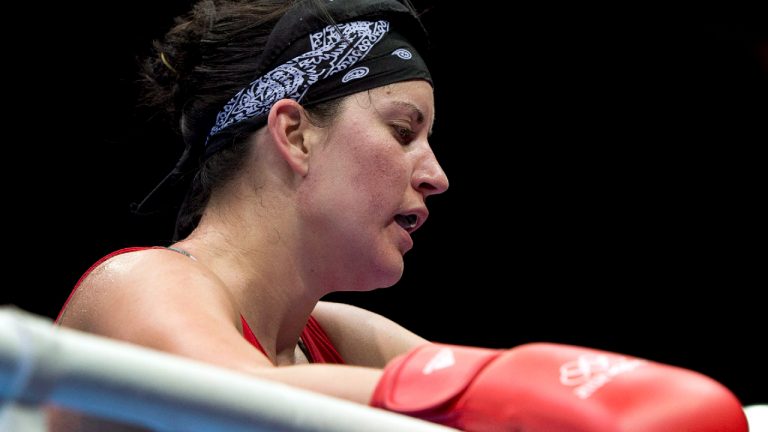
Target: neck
258,264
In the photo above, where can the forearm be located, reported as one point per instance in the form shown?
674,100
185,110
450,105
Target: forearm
352,383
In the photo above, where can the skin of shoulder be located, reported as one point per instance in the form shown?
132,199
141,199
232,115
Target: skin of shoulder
163,300
362,337
184,308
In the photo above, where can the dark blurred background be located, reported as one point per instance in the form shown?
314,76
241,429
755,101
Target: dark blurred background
606,171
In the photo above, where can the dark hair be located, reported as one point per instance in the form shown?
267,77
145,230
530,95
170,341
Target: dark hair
208,56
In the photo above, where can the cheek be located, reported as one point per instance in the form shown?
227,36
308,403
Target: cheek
381,177
359,172
376,158
374,169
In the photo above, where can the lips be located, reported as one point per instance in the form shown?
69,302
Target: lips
411,219
407,222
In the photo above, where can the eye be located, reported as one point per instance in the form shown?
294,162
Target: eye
403,134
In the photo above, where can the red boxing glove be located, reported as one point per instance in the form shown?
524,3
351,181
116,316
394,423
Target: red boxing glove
551,387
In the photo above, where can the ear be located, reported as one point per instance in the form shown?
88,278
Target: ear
288,127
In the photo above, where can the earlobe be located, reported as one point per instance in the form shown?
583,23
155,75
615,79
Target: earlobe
287,126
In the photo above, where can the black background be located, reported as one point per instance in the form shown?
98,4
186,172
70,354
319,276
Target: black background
606,165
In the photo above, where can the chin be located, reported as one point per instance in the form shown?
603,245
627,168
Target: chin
381,269
384,276
391,275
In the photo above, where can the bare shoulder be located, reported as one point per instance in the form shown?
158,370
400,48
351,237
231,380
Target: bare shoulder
131,280
364,338
162,300
157,298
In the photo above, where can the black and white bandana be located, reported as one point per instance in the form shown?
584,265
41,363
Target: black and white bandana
335,61
369,44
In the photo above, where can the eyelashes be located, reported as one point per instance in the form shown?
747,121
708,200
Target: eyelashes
403,134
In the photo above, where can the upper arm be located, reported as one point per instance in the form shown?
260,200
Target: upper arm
362,337
165,301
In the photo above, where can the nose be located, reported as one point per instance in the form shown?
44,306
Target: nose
429,177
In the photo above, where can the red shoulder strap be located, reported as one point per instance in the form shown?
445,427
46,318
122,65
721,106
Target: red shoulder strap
315,339
250,337
319,344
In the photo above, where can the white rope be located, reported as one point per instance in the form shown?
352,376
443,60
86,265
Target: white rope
757,417
21,418
40,363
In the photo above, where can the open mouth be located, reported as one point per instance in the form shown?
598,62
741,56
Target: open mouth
407,222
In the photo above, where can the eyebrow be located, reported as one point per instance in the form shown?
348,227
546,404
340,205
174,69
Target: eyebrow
415,110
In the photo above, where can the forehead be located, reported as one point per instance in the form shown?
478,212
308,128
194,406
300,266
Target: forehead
417,92
415,97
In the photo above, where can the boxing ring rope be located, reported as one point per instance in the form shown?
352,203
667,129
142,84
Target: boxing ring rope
41,363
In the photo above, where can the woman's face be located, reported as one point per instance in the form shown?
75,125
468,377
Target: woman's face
368,180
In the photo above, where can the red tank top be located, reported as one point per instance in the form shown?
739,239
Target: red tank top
318,346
